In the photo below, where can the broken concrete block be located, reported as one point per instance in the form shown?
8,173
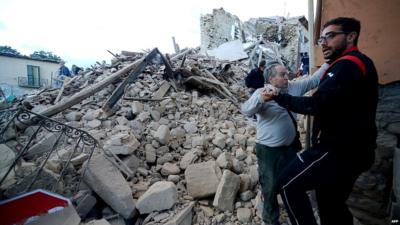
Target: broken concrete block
150,153
184,217
240,139
202,179
244,215
237,166
245,182
198,141
85,205
108,182
98,222
254,175
7,157
240,154
73,116
225,160
160,196
121,143
190,128
219,140
46,180
189,158
137,107
156,115
162,134
80,159
170,169
44,145
227,189
67,216
167,157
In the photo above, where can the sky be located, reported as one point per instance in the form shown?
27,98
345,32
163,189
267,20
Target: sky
81,31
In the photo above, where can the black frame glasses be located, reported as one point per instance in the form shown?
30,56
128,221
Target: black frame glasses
329,36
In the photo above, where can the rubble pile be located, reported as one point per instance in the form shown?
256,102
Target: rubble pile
171,145
179,145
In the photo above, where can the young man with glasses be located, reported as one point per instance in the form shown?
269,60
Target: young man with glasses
344,130
276,131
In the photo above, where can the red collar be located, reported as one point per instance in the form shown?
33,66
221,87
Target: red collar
345,52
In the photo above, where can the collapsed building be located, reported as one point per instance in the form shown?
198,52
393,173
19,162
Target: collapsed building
158,139
272,38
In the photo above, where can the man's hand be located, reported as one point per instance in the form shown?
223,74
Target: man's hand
269,92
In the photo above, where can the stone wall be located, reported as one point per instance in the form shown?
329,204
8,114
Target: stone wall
371,199
218,28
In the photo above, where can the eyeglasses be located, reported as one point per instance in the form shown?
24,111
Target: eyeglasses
329,36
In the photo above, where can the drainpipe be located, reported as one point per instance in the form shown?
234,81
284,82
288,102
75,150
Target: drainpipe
311,63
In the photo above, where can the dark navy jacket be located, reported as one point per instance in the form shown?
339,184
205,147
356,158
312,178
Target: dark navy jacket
344,107
64,71
255,79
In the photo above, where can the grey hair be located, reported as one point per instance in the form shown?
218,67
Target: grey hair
270,70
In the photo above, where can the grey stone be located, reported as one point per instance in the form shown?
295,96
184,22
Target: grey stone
162,135
121,120
156,115
174,178
73,116
184,217
45,144
108,182
198,141
189,158
122,143
170,169
98,222
143,116
190,128
94,123
133,163
245,182
67,216
254,176
227,189
165,158
46,180
178,132
7,157
216,152
85,205
246,196
240,154
160,196
219,140
225,160
80,159
137,107
237,166
150,153
244,215
202,179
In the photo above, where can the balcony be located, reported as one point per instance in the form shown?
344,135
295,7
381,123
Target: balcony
30,83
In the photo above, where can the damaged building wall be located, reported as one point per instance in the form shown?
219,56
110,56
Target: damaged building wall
289,33
221,27
218,28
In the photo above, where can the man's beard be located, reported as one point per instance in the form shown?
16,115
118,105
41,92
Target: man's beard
335,54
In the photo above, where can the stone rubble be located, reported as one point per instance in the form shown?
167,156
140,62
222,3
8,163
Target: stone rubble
190,150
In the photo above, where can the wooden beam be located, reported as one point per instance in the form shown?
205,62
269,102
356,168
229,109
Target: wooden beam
89,91
119,91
